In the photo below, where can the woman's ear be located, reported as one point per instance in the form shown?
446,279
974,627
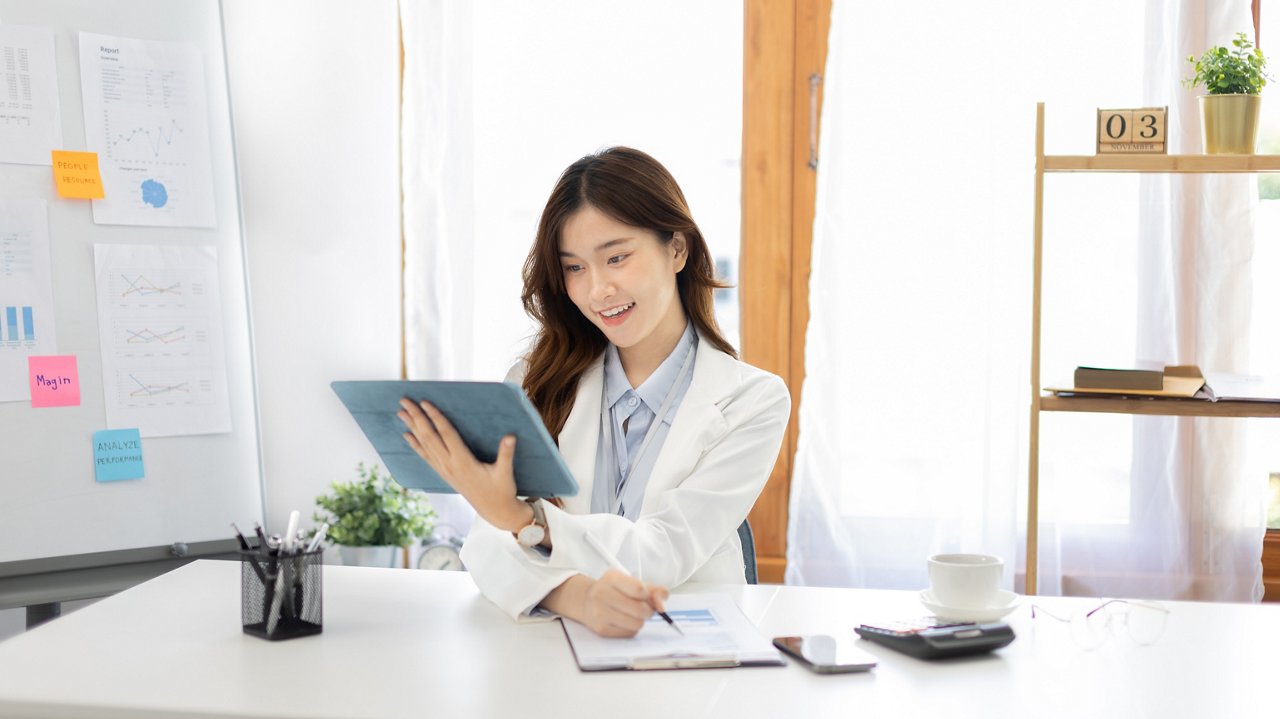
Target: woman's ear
680,250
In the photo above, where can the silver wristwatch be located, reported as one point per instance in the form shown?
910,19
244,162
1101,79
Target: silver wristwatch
532,534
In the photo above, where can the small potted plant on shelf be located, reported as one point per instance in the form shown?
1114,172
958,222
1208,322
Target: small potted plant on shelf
1234,80
371,517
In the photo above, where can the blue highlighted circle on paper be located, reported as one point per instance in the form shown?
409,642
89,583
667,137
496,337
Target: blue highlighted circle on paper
117,454
154,193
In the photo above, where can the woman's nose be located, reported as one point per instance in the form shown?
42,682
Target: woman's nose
601,289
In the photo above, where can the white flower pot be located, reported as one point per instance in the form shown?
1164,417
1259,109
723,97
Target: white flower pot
384,556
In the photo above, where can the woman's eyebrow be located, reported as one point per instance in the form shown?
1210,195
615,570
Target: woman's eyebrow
601,246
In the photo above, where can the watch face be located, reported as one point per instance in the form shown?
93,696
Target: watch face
440,556
531,535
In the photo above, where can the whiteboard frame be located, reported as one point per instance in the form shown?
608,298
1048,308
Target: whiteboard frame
63,576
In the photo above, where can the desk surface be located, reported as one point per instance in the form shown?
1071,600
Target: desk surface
400,643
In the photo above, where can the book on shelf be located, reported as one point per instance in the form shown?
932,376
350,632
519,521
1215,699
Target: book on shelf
1106,378
1177,381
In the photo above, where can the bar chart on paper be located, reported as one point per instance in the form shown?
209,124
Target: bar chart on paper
26,293
13,332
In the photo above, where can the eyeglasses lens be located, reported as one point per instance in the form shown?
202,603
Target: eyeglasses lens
1146,622
1090,630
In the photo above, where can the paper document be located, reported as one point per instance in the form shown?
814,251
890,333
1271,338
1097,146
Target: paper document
146,116
26,293
716,634
160,329
30,118
1240,388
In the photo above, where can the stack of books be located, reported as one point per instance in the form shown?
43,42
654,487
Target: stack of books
1183,381
1174,381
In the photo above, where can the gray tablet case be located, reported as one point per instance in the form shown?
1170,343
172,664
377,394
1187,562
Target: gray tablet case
482,412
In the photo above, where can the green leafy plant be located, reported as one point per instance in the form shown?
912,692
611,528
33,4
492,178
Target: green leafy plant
374,511
1242,71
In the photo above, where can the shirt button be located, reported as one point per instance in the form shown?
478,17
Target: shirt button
633,402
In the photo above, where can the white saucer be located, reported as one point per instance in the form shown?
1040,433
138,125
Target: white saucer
1004,603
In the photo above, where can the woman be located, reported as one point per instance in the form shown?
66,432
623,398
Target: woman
670,437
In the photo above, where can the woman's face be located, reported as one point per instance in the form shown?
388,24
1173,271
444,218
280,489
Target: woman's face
623,279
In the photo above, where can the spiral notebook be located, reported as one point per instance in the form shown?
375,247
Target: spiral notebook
715,634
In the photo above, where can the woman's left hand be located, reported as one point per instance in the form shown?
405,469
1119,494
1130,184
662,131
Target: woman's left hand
489,488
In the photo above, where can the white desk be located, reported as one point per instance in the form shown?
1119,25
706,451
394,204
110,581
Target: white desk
400,643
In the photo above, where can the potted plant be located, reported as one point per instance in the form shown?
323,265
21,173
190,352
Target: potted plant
369,518
1234,80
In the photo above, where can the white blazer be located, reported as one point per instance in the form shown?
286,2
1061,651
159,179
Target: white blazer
721,448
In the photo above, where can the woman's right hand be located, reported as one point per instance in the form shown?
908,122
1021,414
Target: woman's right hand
615,605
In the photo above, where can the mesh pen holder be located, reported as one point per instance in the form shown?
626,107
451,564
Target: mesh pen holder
280,596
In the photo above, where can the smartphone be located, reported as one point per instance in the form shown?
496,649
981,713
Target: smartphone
826,654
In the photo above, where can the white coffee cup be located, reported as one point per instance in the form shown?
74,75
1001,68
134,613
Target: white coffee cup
965,581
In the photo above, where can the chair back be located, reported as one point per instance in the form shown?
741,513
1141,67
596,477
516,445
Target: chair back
748,551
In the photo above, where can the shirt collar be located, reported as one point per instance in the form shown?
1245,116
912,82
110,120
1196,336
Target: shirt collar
654,389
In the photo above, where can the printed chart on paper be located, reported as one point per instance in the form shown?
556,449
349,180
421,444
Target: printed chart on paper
146,116
160,327
30,118
26,293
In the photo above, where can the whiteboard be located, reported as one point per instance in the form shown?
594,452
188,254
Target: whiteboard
195,485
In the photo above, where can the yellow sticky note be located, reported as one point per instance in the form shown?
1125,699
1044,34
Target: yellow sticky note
76,175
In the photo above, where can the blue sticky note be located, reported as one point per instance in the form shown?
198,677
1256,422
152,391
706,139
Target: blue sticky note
117,454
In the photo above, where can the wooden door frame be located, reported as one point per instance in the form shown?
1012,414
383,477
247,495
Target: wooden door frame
784,45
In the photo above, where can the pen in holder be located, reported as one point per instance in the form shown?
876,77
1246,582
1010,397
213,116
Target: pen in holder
280,593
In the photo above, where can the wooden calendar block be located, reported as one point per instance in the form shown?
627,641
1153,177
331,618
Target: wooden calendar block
1134,131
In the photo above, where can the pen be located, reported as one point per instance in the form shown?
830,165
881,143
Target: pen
318,538
253,561
262,536
613,563
290,531
244,543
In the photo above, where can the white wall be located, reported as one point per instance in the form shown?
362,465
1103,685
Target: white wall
315,99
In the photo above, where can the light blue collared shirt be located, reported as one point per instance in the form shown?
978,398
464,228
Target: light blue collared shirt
637,407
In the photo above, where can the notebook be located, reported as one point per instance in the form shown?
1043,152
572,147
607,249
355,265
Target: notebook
716,634
482,412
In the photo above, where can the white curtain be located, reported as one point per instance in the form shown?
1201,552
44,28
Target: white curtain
438,147
913,415
499,97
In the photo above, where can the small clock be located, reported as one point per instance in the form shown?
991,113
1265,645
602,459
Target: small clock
442,550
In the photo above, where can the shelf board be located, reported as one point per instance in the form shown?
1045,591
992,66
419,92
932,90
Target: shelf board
1162,163
1159,406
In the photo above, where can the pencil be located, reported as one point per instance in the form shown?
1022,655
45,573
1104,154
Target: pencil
613,563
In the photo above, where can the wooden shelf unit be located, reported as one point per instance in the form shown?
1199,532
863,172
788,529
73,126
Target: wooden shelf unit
1204,164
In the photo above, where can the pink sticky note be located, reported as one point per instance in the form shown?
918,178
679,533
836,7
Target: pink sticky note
55,382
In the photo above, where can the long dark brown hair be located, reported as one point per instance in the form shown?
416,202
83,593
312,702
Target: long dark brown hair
634,189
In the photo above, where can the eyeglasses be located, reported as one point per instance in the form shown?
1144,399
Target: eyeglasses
1144,621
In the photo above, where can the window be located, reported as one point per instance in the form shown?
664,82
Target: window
661,76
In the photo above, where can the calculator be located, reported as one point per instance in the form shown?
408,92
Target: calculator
933,638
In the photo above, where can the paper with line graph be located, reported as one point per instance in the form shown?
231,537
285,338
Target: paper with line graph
146,115
160,327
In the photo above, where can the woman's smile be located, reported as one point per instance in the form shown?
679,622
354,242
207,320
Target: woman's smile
616,315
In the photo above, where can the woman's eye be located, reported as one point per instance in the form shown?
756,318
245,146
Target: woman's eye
572,268
616,259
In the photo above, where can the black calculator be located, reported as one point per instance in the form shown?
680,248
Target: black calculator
933,638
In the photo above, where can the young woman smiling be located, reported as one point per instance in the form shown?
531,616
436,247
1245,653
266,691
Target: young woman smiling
670,436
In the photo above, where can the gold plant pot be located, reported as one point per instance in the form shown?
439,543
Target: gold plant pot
1230,123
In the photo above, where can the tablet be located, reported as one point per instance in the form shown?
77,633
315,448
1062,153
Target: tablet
482,412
